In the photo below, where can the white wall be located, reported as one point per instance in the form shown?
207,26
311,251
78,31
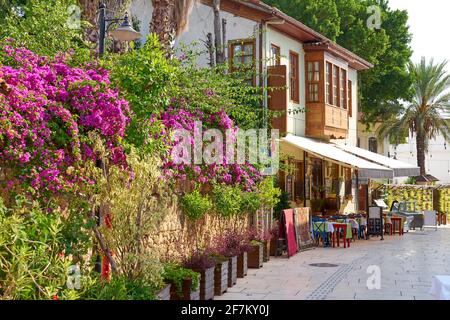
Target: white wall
201,22
437,161
353,120
295,122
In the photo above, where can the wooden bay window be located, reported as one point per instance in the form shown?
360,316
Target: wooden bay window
349,98
313,81
328,86
342,89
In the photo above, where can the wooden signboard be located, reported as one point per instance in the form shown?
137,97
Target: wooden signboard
375,222
303,227
289,232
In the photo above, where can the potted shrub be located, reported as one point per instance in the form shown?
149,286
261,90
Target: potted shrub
229,245
203,264
242,266
256,252
220,274
274,239
184,282
164,293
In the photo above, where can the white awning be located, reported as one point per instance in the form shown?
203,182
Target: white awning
401,169
331,152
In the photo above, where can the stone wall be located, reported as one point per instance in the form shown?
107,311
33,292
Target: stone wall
177,236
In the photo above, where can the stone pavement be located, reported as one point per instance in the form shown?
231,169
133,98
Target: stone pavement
406,264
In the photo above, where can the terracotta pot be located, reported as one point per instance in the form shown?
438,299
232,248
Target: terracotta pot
232,271
266,251
221,278
242,265
255,256
186,293
164,293
206,283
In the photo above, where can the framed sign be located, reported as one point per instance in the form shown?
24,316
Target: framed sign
303,227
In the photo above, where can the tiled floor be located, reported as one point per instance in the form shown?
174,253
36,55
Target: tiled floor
406,264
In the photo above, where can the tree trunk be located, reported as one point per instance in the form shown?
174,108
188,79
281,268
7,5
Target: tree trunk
163,22
420,142
218,33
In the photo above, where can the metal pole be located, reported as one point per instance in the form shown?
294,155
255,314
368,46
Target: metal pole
102,29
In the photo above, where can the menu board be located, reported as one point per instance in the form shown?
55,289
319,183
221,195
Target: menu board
303,227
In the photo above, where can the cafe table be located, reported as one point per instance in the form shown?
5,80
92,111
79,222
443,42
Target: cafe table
347,227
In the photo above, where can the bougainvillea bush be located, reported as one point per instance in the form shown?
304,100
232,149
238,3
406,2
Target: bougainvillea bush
50,115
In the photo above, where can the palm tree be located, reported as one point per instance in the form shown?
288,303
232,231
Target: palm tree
170,19
424,115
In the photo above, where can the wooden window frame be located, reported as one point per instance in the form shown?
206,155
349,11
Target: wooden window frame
335,86
343,89
311,80
350,98
242,42
277,57
328,83
294,78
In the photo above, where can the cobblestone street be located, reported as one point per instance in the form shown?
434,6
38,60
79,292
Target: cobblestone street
407,265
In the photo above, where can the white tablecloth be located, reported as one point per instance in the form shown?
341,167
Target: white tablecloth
440,288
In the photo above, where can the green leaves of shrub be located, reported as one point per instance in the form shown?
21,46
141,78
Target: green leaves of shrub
227,200
195,205
250,202
175,275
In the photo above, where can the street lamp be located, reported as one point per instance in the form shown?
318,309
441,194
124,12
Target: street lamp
124,32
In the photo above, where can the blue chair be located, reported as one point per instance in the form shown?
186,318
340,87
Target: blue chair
320,230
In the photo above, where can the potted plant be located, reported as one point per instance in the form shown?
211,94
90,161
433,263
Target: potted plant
274,239
229,245
256,252
266,240
164,293
220,274
204,264
184,282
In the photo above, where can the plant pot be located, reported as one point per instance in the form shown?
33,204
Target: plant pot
232,271
273,247
206,283
164,294
255,256
186,292
266,250
242,265
221,278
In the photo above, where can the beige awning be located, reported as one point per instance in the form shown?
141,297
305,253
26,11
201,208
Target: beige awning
331,152
401,169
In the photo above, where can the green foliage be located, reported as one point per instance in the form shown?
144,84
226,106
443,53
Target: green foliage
388,48
45,27
121,287
136,209
250,202
269,194
282,204
227,200
195,205
423,115
144,77
213,89
176,274
33,263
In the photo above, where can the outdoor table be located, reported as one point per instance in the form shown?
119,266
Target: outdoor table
347,228
440,287
318,226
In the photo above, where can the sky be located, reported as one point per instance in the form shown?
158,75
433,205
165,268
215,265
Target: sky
429,22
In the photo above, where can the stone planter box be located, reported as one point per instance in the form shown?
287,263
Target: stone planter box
221,278
273,247
266,250
242,265
187,293
255,256
206,283
164,294
232,271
